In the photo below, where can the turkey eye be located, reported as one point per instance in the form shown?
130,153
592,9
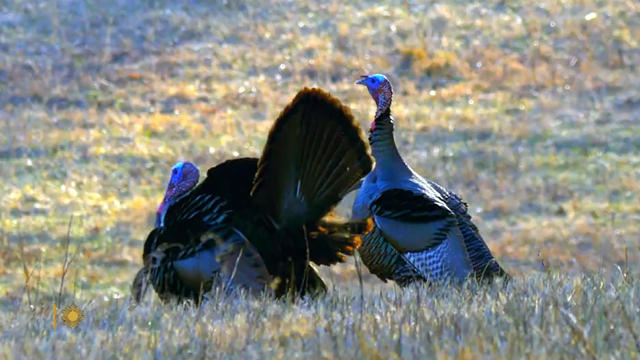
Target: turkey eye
174,171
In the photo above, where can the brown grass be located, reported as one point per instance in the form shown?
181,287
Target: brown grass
529,111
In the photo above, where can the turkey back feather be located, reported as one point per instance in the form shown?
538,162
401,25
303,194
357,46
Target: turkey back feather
385,261
485,266
231,179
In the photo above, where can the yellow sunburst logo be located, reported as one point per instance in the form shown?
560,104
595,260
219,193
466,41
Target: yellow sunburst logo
72,316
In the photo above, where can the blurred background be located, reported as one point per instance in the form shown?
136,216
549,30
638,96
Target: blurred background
531,112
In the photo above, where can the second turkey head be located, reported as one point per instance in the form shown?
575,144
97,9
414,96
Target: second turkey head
184,176
380,90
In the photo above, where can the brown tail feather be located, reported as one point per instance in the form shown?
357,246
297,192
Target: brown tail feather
314,153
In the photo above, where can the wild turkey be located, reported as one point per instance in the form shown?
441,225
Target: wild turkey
257,223
422,231
194,240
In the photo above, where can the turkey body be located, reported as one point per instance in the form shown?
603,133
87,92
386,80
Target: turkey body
258,223
422,231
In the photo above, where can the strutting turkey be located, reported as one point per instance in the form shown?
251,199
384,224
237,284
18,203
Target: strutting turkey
422,231
256,223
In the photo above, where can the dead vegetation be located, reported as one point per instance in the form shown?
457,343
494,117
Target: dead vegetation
529,111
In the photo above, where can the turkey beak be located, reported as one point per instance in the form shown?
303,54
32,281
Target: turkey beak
361,80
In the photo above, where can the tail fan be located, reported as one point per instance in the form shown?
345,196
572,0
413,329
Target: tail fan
314,153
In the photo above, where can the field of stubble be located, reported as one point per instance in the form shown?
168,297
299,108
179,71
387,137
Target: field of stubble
531,112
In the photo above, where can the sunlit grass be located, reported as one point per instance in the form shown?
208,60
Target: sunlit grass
548,315
529,111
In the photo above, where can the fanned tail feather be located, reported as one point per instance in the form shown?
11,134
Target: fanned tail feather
314,153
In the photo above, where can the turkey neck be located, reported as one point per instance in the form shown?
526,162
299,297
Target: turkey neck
389,163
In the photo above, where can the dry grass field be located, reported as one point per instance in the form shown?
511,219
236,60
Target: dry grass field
530,111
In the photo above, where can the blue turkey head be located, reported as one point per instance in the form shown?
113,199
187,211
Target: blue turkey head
184,176
380,90
372,82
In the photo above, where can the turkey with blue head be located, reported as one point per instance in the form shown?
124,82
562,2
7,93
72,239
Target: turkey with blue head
421,230
184,176
259,223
